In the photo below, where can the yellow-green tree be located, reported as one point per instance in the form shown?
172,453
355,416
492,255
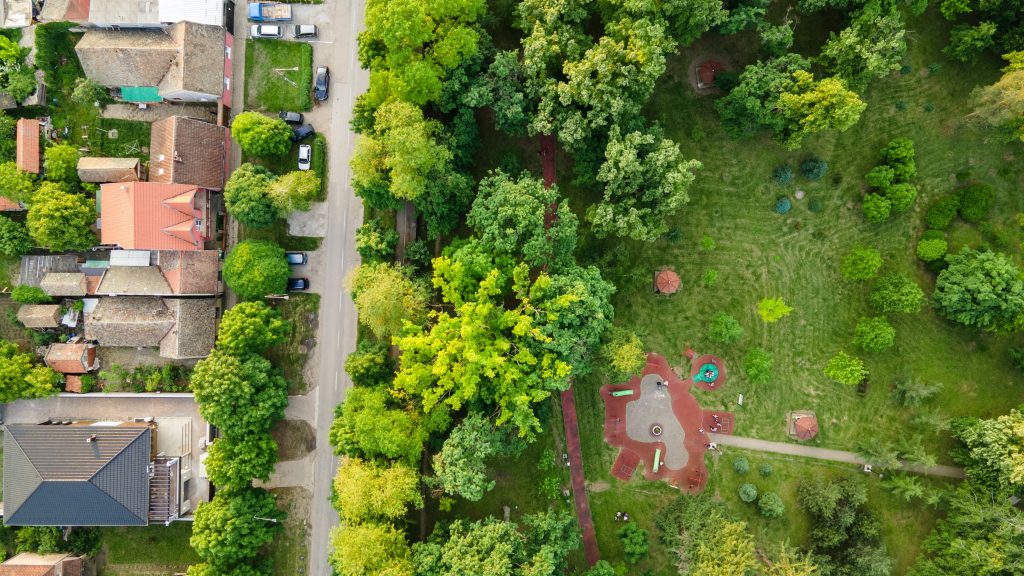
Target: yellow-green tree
365,491
726,551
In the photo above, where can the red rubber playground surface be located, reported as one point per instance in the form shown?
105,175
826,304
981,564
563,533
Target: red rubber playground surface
696,424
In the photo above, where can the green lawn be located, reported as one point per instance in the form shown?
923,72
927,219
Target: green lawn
290,162
289,552
148,550
290,356
278,75
279,233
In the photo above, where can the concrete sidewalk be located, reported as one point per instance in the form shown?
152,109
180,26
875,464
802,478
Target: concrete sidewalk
825,454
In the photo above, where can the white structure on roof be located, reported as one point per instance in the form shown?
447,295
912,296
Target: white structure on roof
198,11
129,258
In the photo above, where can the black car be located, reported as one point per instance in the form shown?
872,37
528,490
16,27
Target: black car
320,84
290,117
302,132
296,284
295,258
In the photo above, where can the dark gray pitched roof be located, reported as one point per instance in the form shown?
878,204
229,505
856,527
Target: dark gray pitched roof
54,477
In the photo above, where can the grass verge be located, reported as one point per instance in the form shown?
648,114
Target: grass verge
147,550
290,356
278,75
290,549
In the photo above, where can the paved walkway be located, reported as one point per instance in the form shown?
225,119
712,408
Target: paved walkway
825,454
579,485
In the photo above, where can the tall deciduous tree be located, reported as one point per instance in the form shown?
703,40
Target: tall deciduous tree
294,191
874,334
522,218
846,369
61,221
1000,105
845,536
251,327
19,379
15,184
370,550
255,268
234,461
727,551
386,298
460,466
809,107
995,450
872,46
577,302
14,238
261,135
687,19
365,491
246,196
645,183
60,163
752,105
980,289
228,530
241,395
366,427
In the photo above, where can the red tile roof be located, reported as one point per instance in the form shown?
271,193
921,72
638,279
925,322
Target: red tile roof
150,216
28,145
8,205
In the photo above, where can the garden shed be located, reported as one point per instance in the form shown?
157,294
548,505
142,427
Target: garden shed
39,315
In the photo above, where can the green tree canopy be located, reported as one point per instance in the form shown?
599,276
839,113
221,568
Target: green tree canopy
234,461
25,294
61,221
512,215
872,46
846,369
460,466
623,353
15,184
60,163
645,183
227,532
366,427
862,263
772,309
19,379
261,135
386,298
246,196
757,365
294,191
251,327
14,238
370,550
724,329
1000,105
687,20
241,395
256,268
994,452
809,107
365,491
752,105
727,551
980,289
845,536
874,334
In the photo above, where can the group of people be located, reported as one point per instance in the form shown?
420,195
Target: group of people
624,516
714,427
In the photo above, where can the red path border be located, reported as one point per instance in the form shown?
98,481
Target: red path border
579,485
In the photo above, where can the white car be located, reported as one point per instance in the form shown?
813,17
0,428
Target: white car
265,31
305,156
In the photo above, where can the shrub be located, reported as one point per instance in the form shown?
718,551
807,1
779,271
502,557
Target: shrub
374,242
975,202
724,329
710,277
932,246
941,213
783,174
765,469
741,465
260,135
813,168
748,492
773,309
757,365
862,263
874,334
255,268
896,293
845,369
876,207
771,505
901,196
899,155
815,206
707,243
881,177
783,205
23,294
634,542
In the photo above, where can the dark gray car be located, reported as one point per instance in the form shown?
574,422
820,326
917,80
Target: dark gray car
321,83
290,117
302,132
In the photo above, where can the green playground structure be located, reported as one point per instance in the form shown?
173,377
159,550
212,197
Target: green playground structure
707,373
657,460
618,393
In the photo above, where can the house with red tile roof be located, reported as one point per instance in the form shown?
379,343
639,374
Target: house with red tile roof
154,216
27,154
31,564
72,357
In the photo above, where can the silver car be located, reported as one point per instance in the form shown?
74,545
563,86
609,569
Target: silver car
265,31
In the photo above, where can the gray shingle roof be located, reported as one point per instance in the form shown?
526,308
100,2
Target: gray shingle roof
134,280
195,333
54,477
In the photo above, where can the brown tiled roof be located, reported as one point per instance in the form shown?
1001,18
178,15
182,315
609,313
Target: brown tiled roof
194,333
134,281
64,284
200,68
101,170
68,358
133,215
132,321
30,564
28,145
73,383
187,151
118,58
39,315
8,205
190,272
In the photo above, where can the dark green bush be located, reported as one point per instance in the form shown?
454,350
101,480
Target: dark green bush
783,205
29,295
941,213
975,201
813,168
741,465
748,493
783,174
726,80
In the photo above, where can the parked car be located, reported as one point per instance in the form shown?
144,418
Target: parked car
321,83
290,117
301,132
295,258
296,284
305,156
305,31
265,31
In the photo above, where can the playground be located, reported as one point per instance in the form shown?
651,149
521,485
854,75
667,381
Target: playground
655,420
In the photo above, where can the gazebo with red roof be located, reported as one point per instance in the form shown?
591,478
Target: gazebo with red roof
803,425
706,72
666,281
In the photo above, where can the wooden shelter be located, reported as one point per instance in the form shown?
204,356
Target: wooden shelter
802,425
666,281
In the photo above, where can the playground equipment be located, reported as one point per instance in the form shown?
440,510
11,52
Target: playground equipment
619,393
657,460
707,373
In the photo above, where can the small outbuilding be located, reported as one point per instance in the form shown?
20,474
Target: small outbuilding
706,72
666,281
104,170
39,315
802,425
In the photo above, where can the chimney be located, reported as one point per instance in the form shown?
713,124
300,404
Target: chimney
177,157
90,439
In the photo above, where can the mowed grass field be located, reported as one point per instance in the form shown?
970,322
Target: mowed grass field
148,550
278,75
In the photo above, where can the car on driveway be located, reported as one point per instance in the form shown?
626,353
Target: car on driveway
301,132
305,156
305,31
295,258
321,83
290,117
265,31
297,284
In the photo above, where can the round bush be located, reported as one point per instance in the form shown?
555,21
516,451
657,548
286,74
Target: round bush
765,469
862,263
932,246
771,505
941,213
813,168
881,177
741,465
815,206
874,334
783,174
876,207
783,205
748,492
256,268
975,202
901,196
